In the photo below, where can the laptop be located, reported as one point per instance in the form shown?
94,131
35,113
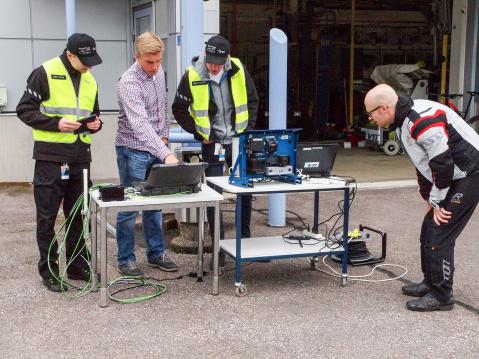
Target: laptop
316,159
172,178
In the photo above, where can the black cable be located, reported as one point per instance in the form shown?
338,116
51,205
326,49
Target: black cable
331,235
181,276
126,288
335,230
230,269
299,240
137,284
263,210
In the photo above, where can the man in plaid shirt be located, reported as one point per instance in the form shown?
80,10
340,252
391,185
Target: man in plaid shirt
141,141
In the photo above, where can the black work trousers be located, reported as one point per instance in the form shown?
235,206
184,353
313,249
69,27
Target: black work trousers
215,169
437,242
49,190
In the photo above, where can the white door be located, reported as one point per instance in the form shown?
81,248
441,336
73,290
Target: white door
142,20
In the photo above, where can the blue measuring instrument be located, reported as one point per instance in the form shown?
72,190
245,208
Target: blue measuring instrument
265,155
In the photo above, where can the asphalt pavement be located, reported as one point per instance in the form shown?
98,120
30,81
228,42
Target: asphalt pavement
290,311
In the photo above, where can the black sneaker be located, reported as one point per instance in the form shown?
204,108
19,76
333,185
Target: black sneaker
416,289
83,275
429,303
130,270
54,285
164,263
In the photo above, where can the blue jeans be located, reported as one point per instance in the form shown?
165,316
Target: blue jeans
134,165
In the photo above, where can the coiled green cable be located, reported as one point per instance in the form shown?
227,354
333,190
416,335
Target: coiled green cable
133,282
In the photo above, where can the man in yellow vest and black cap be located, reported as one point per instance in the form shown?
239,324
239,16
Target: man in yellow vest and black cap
58,94
215,100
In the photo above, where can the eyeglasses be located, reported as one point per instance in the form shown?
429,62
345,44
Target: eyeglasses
369,114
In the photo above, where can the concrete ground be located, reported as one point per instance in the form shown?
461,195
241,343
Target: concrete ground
290,310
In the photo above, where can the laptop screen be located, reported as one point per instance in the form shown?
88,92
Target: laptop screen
316,159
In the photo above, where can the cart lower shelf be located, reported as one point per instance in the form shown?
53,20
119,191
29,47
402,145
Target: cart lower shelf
257,248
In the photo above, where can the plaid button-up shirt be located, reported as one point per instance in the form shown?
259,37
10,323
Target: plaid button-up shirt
143,119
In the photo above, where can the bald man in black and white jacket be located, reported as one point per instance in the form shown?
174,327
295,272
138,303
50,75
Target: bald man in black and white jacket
445,152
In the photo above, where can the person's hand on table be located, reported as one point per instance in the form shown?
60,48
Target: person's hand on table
170,159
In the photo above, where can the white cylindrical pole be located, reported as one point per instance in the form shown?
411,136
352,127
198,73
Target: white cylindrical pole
278,81
192,38
70,17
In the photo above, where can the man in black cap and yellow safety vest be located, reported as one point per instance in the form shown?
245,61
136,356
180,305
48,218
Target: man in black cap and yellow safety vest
215,100
58,94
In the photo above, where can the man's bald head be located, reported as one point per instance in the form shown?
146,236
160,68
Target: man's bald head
380,95
380,104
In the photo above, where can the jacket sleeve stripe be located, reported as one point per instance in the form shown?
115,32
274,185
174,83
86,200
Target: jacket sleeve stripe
416,136
423,123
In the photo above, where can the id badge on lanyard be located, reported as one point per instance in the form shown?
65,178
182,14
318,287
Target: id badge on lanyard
220,152
64,171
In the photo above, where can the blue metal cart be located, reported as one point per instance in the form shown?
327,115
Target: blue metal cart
267,248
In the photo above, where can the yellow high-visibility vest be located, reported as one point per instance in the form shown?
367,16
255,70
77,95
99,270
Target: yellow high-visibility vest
64,102
201,99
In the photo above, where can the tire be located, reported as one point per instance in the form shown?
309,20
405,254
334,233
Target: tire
474,123
391,148
473,120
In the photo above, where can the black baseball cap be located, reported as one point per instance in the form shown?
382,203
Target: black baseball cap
84,46
217,50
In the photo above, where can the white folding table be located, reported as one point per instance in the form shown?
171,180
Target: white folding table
207,197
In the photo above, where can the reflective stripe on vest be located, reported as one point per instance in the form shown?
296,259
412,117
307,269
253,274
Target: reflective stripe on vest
200,93
64,102
240,97
201,99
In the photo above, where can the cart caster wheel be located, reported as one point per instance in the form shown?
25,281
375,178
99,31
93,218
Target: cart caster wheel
391,148
312,262
241,291
344,281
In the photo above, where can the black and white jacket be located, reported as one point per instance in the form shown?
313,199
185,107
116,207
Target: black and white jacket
442,146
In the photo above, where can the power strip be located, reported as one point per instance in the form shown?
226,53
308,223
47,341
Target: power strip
312,235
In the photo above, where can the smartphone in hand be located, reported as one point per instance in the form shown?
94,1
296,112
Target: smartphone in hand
83,124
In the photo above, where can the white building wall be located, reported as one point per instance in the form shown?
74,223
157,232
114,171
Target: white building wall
32,31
